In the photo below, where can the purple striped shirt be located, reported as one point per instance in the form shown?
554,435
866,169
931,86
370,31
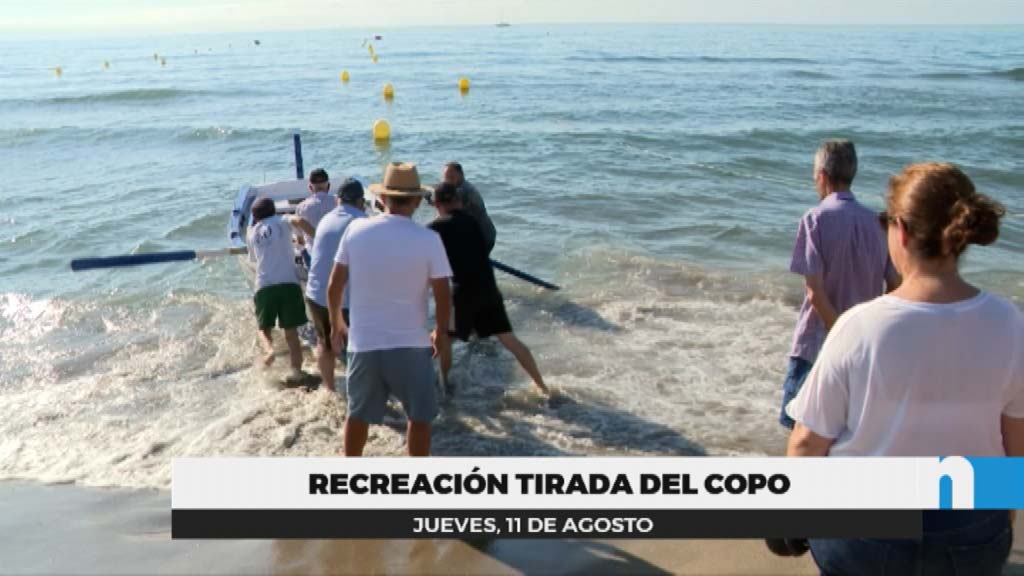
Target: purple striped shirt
841,241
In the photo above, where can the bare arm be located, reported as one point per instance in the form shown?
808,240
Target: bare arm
301,224
443,310
815,286
442,302
335,290
804,442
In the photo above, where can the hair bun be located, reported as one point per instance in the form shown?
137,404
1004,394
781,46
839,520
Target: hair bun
974,219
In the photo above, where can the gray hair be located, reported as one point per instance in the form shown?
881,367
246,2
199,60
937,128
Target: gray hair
838,160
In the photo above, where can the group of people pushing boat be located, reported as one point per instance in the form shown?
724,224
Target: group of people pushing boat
366,291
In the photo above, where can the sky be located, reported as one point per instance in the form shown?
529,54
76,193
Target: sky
137,17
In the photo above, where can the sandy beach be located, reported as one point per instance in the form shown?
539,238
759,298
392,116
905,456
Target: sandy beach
73,530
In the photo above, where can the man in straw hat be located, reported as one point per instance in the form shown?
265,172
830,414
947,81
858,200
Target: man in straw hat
387,263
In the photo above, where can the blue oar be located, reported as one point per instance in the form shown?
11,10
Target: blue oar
523,275
150,258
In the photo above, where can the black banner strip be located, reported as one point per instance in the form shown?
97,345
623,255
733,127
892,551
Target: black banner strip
606,524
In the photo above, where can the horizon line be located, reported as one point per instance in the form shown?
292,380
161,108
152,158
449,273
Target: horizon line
137,33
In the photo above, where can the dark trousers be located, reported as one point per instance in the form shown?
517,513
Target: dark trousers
795,376
955,542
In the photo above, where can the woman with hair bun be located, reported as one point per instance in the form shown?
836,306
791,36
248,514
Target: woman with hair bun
935,368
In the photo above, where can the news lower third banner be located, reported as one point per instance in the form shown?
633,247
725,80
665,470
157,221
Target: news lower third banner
483,498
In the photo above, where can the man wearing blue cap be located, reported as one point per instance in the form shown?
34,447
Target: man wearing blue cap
350,205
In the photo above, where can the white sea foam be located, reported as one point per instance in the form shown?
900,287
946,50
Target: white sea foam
669,360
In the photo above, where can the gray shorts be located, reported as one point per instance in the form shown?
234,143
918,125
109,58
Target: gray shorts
407,373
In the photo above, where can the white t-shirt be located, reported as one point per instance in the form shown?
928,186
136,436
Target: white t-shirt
390,260
270,247
901,378
313,209
325,248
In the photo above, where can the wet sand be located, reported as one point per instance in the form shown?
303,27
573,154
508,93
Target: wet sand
75,530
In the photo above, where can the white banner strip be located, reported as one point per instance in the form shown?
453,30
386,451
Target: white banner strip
568,483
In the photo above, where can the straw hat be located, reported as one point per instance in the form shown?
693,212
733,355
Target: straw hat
401,179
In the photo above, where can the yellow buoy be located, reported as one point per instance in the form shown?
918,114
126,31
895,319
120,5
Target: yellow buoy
374,58
106,65
463,84
381,131
58,71
369,48
389,91
344,76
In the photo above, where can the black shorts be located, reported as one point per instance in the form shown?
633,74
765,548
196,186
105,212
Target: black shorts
322,321
485,319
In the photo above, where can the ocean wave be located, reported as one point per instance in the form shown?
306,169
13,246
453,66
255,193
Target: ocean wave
1015,74
946,76
810,75
130,96
79,134
641,59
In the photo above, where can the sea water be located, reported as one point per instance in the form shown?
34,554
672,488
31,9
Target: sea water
655,172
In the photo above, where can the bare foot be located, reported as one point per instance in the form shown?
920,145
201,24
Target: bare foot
268,359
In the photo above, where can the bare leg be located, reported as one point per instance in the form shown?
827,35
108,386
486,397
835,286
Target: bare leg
417,438
524,357
325,361
267,339
291,336
356,432
446,366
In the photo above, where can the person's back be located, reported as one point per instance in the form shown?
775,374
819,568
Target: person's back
931,379
841,242
313,209
391,261
319,203
465,245
325,246
270,248
473,204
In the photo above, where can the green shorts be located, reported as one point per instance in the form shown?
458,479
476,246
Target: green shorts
281,305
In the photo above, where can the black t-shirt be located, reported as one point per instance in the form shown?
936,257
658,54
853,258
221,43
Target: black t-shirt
472,273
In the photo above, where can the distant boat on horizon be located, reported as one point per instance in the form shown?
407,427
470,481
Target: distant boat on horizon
502,24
